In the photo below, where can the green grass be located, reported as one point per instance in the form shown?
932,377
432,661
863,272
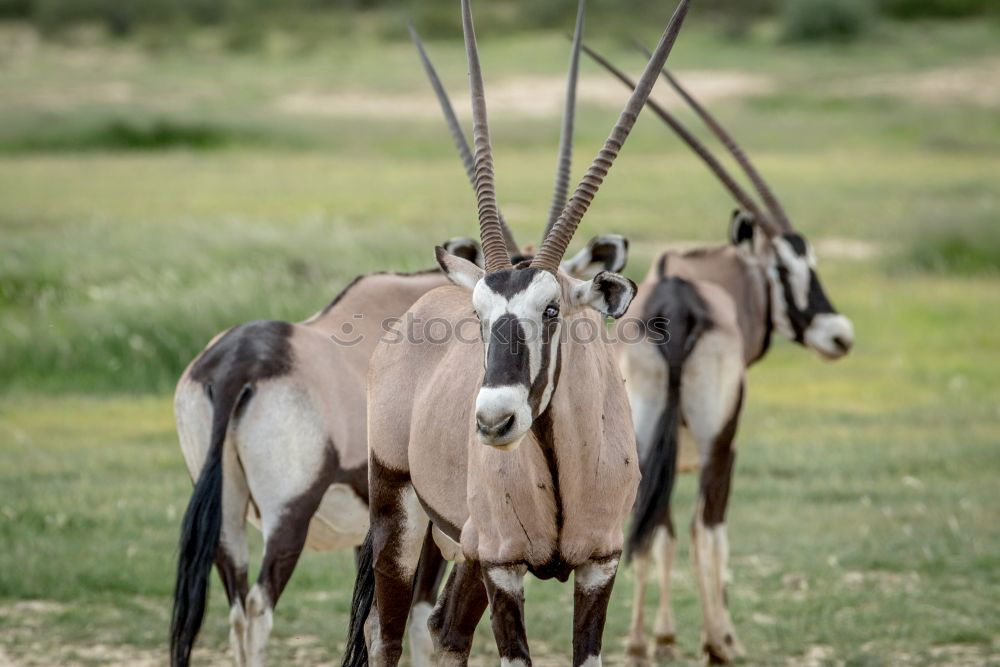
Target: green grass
872,480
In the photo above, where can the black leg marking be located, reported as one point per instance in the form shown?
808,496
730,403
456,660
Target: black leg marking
393,584
429,572
668,521
281,555
591,593
718,473
453,623
505,588
234,578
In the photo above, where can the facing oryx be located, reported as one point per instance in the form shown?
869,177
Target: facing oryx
722,304
528,465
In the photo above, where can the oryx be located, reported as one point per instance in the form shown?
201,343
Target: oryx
271,415
721,305
277,409
510,436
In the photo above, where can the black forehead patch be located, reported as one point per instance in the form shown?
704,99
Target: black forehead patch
511,281
798,243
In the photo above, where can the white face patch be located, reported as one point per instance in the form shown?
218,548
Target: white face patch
591,577
494,404
830,334
799,270
779,311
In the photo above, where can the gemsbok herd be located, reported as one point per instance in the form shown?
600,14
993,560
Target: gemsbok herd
482,413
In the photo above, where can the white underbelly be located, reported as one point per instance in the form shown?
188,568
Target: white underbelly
340,522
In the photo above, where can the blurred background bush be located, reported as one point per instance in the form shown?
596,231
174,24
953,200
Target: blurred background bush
246,20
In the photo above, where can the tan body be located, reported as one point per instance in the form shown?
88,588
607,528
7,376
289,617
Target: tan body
736,293
327,381
552,501
505,504
294,457
689,389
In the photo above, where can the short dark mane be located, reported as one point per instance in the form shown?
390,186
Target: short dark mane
357,279
702,251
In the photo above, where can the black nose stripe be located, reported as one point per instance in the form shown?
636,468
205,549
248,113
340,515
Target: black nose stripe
508,357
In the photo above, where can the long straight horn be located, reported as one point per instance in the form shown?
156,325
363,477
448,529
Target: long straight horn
561,189
490,234
457,134
778,214
555,244
739,194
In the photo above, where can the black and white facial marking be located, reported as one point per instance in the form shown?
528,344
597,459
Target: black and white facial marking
521,312
801,309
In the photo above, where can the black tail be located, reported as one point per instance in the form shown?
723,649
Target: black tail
200,532
676,314
356,653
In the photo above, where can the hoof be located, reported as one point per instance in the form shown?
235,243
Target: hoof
636,655
723,652
665,647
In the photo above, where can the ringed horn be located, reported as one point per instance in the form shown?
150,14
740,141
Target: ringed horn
555,243
457,134
778,215
565,161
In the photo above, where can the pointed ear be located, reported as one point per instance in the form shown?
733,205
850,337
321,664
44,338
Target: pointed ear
742,229
603,253
460,271
466,248
608,293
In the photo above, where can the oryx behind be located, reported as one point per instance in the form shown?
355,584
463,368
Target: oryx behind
720,306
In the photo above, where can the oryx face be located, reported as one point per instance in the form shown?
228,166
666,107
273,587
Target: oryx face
800,307
521,313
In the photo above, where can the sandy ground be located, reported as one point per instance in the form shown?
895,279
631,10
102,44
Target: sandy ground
534,96
977,84
35,650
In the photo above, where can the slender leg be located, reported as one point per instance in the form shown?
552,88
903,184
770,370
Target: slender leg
285,537
232,555
234,579
664,633
646,370
425,587
592,584
635,647
461,605
505,588
710,546
399,526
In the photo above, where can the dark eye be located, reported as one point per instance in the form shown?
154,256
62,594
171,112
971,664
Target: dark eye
552,310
